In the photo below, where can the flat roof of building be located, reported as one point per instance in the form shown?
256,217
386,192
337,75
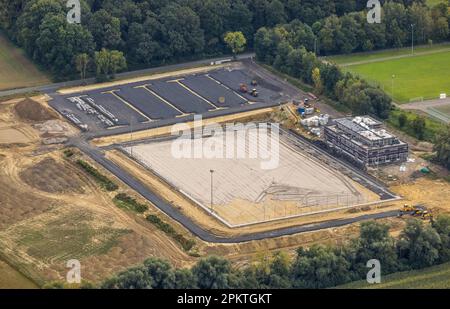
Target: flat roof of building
365,126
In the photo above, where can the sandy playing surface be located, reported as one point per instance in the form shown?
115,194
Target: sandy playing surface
244,191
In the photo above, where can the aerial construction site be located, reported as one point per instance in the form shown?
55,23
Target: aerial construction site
89,172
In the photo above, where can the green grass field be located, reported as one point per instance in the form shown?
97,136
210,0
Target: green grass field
432,3
437,277
16,70
423,75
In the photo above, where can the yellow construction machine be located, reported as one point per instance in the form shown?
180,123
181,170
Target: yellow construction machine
418,211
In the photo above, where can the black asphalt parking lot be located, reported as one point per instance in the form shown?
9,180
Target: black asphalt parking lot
212,90
160,102
149,104
117,107
180,97
230,78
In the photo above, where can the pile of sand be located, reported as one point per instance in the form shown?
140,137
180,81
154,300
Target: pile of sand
33,111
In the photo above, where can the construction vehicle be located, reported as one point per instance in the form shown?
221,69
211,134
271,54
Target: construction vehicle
254,93
416,211
243,88
419,211
307,104
427,215
407,208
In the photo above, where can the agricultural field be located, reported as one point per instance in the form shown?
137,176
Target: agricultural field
437,277
16,70
402,75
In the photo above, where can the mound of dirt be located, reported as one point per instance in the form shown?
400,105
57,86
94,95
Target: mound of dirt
52,177
33,111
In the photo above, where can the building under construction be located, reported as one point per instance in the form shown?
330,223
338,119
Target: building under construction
365,141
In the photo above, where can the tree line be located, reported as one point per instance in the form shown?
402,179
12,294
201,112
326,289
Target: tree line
418,246
282,47
156,32
400,25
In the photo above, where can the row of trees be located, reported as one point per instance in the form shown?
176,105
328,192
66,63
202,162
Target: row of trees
400,24
281,48
351,32
320,266
152,32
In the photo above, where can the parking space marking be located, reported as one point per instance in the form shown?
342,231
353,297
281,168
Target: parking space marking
235,92
182,114
178,81
113,92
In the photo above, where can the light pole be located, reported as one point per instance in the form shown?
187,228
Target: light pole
212,192
393,80
412,38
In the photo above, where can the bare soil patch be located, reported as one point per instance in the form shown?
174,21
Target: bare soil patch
12,136
433,193
30,110
17,205
52,177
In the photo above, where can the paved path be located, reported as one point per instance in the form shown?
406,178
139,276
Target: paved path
174,67
429,107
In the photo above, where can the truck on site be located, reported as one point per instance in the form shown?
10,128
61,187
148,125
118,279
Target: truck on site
243,88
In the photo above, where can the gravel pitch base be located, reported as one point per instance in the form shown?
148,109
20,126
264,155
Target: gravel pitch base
244,190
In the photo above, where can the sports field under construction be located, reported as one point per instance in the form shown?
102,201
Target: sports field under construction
253,187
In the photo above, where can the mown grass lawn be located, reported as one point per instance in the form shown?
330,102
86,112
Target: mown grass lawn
387,53
421,76
437,277
16,70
